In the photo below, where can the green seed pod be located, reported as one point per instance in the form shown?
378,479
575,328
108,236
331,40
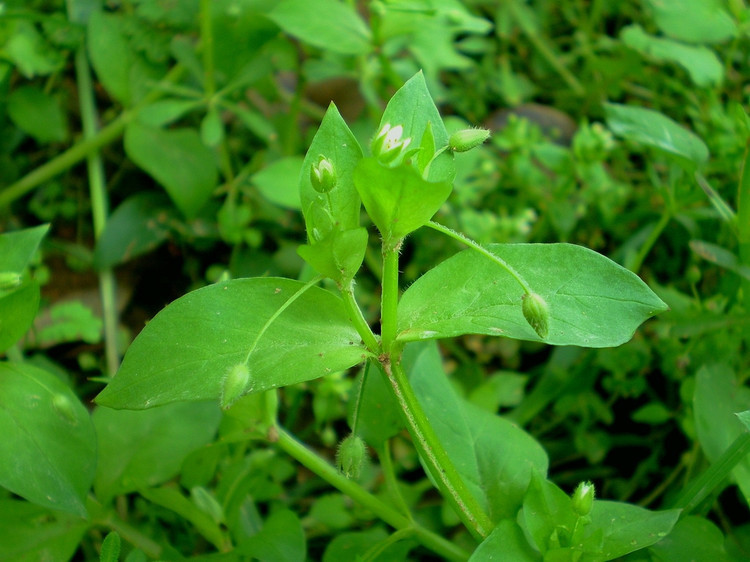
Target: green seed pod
583,498
323,175
235,385
466,139
351,456
65,408
536,312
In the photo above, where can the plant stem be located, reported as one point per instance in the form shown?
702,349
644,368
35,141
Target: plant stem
99,208
389,299
358,319
486,253
653,236
441,467
702,486
81,150
327,472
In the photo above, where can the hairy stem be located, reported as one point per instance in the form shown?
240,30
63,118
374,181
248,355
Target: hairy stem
486,253
358,319
327,472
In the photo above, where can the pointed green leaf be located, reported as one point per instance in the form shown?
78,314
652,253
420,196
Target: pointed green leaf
277,182
694,21
495,457
178,160
48,443
18,309
18,247
593,302
339,255
335,142
328,24
656,130
693,538
110,55
626,527
138,449
38,114
701,63
507,538
398,200
140,224
185,352
546,509
412,108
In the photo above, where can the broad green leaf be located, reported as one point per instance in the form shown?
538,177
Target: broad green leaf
178,160
398,200
18,309
186,351
37,114
278,182
18,247
701,63
506,538
656,130
412,108
494,456
138,225
281,539
717,397
593,302
694,21
345,546
692,538
110,55
627,527
139,449
30,532
212,128
49,436
335,142
328,24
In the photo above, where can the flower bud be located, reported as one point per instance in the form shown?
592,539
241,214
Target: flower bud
388,145
235,385
583,498
351,456
536,312
323,175
466,139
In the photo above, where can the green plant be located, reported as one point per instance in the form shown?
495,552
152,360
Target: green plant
251,336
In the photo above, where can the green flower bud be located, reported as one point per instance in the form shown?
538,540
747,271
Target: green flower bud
351,456
323,175
583,498
388,145
235,385
466,139
536,312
